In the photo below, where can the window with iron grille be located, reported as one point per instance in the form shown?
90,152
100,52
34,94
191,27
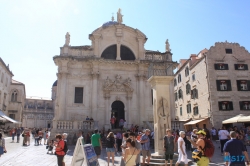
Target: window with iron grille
188,108
244,105
196,110
240,66
78,95
243,85
220,66
188,89
225,105
223,85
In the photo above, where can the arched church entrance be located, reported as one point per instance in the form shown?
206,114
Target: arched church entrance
118,112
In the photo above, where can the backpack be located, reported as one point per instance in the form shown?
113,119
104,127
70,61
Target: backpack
109,143
65,149
209,148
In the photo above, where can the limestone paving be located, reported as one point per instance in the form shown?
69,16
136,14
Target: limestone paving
18,155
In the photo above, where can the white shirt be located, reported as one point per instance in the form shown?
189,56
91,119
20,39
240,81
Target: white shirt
180,139
223,134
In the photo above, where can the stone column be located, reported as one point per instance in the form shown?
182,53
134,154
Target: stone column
141,99
161,94
108,113
118,52
94,98
62,80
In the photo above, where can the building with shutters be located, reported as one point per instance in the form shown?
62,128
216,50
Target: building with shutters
107,78
212,86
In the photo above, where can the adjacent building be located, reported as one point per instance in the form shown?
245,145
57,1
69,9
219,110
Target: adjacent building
212,86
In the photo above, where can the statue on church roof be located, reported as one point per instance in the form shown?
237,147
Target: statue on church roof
167,46
67,39
119,16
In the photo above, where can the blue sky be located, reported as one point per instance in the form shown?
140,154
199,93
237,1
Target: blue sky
32,31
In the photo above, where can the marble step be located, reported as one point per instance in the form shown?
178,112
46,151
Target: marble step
163,164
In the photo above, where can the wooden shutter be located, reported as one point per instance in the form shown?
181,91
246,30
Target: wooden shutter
218,85
229,87
196,93
220,105
245,66
238,85
78,95
216,66
236,66
231,105
192,94
241,105
225,66
181,111
248,85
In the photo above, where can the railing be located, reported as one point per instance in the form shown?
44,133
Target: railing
156,57
77,125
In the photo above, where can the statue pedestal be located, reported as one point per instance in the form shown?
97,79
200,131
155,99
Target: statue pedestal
161,108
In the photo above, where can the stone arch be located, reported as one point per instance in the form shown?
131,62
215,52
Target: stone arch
110,52
126,53
14,95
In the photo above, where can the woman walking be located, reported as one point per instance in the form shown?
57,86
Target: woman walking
130,153
110,149
168,142
2,145
59,144
182,157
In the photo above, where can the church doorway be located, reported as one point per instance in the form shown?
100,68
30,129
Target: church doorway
118,112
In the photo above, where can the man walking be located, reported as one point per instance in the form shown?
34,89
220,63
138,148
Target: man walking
168,144
223,136
235,152
96,143
18,133
145,142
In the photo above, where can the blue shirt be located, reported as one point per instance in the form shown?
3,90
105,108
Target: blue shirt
235,148
146,145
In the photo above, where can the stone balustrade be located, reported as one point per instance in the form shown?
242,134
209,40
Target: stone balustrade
77,125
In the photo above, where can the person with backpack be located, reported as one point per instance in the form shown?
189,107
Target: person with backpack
205,149
111,147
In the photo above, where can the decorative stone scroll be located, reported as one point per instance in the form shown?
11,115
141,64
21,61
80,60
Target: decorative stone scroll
117,85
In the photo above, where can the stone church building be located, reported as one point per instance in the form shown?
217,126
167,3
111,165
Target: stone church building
107,78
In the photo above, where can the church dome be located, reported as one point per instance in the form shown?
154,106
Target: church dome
55,83
109,23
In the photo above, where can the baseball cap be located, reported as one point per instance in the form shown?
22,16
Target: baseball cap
201,132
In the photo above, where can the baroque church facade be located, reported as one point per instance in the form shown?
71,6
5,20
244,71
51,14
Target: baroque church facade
107,78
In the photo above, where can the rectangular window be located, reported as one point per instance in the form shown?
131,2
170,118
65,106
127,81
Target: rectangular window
175,96
223,85
78,95
243,85
194,93
179,78
229,51
220,66
225,105
180,111
12,116
175,83
244,105
2,77
188,108
152,96
6,81
240,66
196,110
193,77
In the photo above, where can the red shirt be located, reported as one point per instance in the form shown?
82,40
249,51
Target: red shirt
59,150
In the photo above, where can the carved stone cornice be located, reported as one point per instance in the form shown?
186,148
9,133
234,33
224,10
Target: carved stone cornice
141,76
94,74
60,75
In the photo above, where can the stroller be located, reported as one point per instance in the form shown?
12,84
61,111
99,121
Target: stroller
50,147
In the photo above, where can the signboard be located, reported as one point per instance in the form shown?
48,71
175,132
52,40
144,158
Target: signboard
84,155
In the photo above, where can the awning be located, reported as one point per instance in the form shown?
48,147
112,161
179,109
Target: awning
194,122
7,118
236,119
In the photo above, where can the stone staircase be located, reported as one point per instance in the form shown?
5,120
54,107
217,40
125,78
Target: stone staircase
157,160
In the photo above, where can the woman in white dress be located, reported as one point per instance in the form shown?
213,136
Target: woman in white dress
182,150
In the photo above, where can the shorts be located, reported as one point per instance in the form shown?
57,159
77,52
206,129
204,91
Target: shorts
110,149
145,153
203,161
169,156
97,150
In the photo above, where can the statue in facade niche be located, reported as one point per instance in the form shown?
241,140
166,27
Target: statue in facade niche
167,46
163,115
127,82
119,16
108,83
117,81
67,39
